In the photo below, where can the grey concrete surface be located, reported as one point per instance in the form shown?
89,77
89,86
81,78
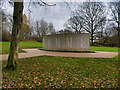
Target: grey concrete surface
67,42
37,52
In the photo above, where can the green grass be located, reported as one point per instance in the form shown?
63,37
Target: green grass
62,72
31,44
107,49
27,44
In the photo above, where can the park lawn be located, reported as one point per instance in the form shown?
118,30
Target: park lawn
62,72
26,44
106,49
32,44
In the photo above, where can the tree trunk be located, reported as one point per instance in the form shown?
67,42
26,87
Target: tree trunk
37,25
17,26
92,31
92,36
92,40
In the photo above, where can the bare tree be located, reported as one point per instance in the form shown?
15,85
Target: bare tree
115,8
17,26
37,28
44,28
90,16
51,28
75,23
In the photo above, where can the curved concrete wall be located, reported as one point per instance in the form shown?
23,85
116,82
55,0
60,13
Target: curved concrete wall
67,42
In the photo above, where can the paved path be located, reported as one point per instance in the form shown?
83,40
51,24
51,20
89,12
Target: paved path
36,52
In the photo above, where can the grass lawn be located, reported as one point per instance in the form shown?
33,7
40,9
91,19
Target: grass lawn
31,44
57,72
27,44
107,49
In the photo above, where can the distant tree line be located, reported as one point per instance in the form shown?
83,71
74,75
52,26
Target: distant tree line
28,32
90,17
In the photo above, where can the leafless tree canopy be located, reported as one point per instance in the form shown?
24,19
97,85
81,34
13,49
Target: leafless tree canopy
89,17
115,8
44,28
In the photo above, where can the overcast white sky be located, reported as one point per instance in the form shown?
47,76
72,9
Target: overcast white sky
58,14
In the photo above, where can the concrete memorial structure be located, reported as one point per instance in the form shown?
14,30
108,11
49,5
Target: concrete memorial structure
67,42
